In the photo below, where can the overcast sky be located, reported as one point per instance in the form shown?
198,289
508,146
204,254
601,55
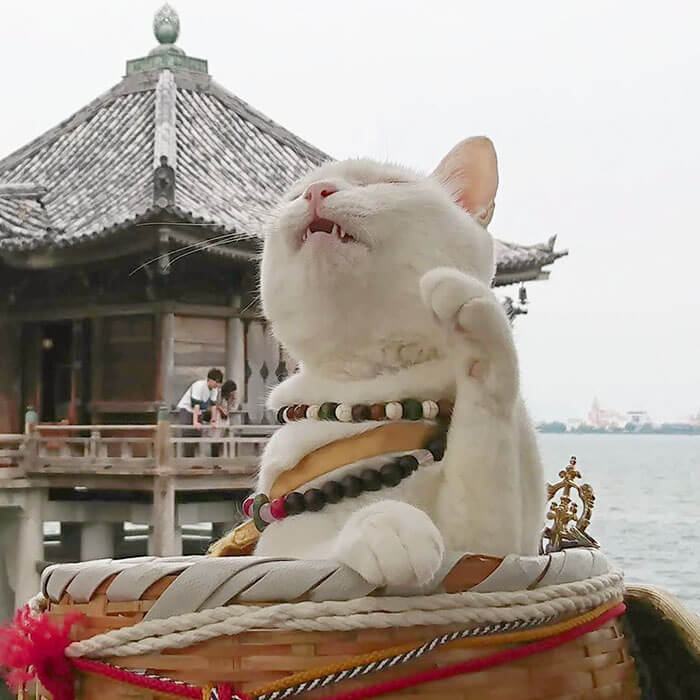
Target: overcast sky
594,109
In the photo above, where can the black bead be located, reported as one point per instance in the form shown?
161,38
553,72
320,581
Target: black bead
371,481
280,415
408,464
390,474
294,503
352,486
314,499
436,448
333,491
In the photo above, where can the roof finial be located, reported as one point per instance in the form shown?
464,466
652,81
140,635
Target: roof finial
166,25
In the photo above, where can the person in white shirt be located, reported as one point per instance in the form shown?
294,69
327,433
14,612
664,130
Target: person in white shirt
198,403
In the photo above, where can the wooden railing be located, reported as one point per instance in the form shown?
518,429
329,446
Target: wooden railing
132,449
11,451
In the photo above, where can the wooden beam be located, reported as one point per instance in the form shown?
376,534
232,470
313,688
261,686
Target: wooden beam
97,311
124,406
532,275
53,257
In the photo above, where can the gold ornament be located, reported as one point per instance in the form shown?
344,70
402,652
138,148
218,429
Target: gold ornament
568,528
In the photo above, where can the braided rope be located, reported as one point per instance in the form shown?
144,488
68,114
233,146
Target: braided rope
515,632
369,612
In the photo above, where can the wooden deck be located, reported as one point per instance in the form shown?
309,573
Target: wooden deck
94,478
132,450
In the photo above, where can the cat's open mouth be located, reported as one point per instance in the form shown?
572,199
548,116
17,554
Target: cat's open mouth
328,227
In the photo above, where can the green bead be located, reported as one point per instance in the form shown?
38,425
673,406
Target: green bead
412,409
327,411
258,502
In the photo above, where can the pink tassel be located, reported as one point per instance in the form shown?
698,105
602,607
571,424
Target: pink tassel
34,647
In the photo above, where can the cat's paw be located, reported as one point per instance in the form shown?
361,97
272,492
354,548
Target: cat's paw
391,543
446,292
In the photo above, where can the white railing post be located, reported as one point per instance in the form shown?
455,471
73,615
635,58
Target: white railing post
94,443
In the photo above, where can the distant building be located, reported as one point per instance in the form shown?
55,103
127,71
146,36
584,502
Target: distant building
638,417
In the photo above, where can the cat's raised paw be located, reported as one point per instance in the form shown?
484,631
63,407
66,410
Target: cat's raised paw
391,543
445,291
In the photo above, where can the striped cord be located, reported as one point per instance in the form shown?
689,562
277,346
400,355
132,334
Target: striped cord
400,659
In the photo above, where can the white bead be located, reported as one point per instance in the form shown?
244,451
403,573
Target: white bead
265,514
343,412
312,412
394,410
430,410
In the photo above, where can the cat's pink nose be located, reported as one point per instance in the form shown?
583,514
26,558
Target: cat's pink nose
318,191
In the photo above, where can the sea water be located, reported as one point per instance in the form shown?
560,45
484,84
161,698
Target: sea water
647,508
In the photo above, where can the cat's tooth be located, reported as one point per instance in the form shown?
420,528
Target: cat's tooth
337,231
307,233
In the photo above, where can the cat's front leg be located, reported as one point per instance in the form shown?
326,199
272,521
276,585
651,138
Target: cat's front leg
390,543
469,311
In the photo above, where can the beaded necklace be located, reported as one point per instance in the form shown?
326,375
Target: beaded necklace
262,511
406,409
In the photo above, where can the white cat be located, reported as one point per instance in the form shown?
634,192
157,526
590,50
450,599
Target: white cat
394,301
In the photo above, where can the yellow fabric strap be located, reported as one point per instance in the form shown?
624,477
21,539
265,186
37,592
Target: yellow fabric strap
392,437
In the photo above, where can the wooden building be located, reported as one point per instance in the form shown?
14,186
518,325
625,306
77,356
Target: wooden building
163,162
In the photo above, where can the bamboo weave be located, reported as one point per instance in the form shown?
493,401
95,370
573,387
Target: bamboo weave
598,665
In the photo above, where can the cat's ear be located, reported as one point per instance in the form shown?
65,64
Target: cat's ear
470,172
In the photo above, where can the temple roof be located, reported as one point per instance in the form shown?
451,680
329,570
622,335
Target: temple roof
93,174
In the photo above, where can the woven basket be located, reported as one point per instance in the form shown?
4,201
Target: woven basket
596,665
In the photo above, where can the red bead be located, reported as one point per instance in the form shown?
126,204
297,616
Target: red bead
300,411
277,509
248,506
289,414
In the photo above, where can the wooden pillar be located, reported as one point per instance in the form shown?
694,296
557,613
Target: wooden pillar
8,572
31,366
236,355
97,366
10,378
97,541
166,359
77,390
30,546
165,537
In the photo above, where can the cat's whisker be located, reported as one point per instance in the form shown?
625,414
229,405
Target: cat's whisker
200,248
222,239
252,303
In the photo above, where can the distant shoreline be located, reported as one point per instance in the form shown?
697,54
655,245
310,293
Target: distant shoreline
691,433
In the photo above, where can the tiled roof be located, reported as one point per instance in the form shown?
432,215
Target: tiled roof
232,170
520,263
94,173
97,167
21,211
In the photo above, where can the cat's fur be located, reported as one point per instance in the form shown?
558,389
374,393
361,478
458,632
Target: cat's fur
404,310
